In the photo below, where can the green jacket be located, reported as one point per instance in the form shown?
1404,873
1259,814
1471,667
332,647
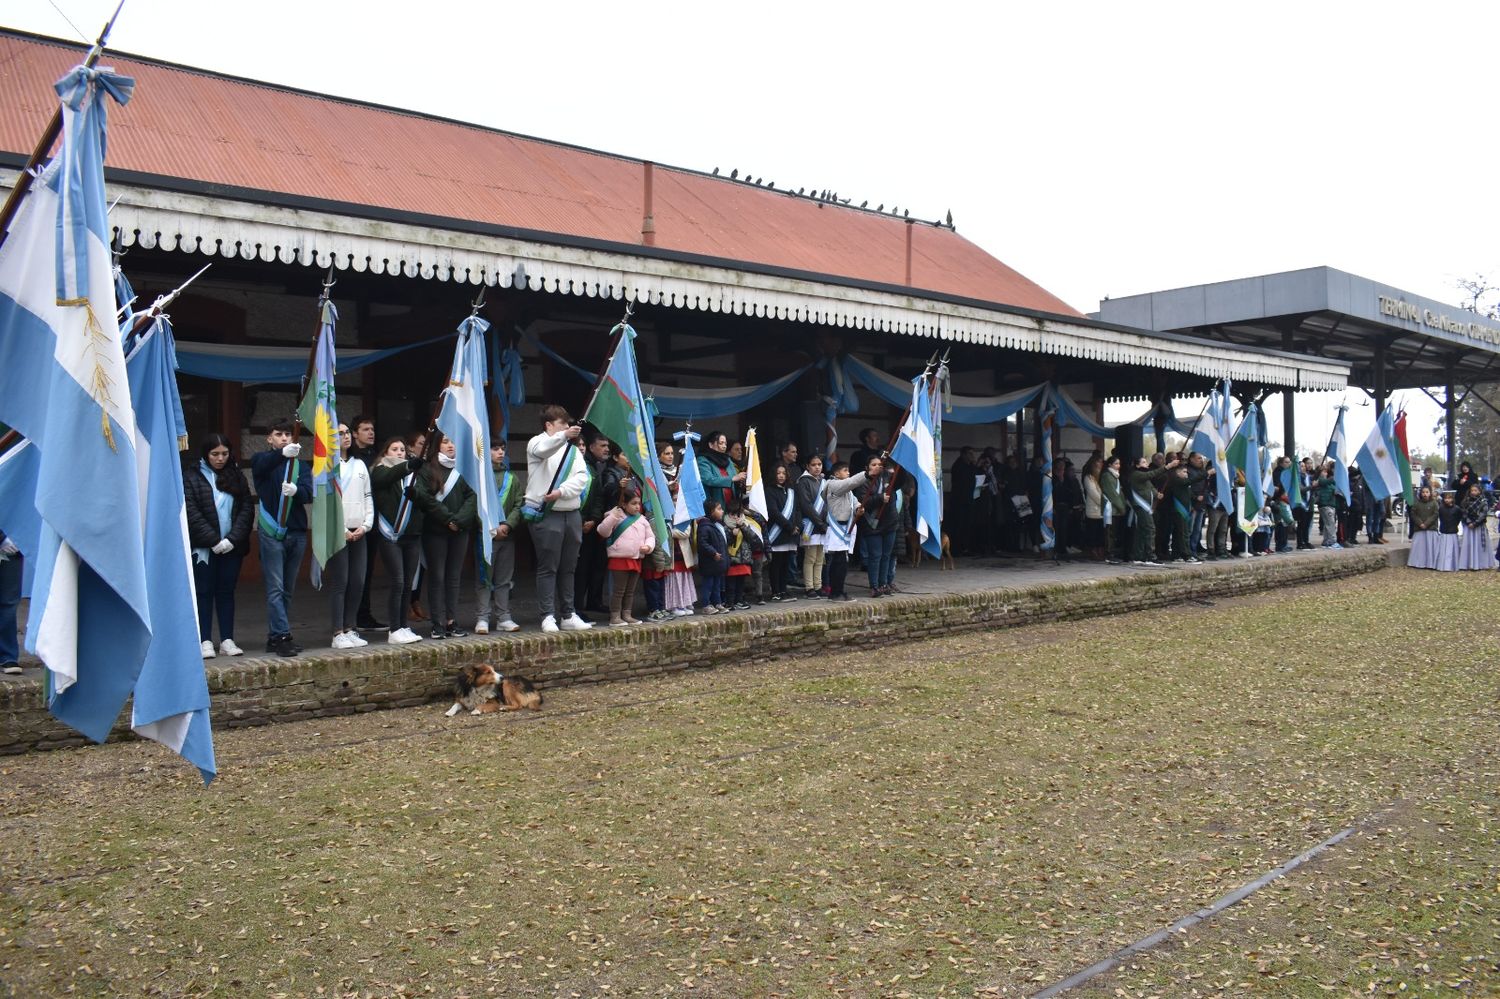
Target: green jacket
385,489
1109,485
460,506
1323,490
1424,515
510,498
1143,485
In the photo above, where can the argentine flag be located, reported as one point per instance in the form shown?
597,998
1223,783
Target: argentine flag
1338,453
465,421
1211,439
916,452
1377,458
690,493
171,696
63,386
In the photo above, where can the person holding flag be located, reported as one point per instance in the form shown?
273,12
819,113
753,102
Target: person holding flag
449,515
1324,491
282,485
556,478
495,583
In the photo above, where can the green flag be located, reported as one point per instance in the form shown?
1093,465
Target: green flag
319,414
618,411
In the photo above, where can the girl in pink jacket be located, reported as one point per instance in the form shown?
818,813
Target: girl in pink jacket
628,536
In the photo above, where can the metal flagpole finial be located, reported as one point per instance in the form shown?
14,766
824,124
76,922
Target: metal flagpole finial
629,311
477,304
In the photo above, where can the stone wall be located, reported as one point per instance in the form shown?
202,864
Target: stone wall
261,691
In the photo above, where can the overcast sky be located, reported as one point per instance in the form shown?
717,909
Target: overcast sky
1102,149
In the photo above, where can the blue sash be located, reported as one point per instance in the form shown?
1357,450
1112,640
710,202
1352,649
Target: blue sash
807,521
786,515
448,485
391,532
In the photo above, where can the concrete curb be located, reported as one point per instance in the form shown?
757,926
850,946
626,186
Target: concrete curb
263,691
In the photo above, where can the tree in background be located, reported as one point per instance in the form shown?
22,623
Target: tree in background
1477,423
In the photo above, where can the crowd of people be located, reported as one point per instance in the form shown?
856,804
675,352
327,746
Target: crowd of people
582,508
407,508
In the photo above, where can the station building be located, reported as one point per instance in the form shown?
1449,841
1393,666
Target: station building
734,281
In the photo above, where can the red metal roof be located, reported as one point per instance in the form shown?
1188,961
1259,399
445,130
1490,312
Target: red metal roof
201,127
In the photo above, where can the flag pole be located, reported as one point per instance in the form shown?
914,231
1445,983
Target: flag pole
619,331
49,136
890,486
1188,444
147,317
312,355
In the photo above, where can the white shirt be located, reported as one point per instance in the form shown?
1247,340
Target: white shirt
359,506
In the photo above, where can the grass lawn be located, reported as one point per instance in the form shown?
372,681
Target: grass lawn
985,815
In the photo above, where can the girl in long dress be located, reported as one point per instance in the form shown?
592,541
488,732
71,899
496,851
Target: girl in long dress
1423,515
1474,551
1449,517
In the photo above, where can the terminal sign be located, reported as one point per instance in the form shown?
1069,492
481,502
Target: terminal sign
1398,308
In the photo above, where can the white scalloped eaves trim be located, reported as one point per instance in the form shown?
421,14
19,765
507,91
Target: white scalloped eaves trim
199,224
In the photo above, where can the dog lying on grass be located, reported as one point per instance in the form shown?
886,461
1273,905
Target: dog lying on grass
480,690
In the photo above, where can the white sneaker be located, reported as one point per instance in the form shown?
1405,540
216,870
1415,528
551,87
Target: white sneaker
575,623
549,625
680,612
403,636
355,641
228,648
208,650
341,641
507,625
481,627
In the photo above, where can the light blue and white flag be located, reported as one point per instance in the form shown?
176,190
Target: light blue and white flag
171,695
916,452
1338,453
1211,439
1377,457
691,495
63,386
465,421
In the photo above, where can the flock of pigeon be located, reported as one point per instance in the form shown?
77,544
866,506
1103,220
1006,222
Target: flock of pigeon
831,197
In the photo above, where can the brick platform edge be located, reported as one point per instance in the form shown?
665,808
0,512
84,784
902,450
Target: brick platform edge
262,691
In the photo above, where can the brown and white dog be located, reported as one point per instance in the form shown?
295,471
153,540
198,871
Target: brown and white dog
914,546
481,691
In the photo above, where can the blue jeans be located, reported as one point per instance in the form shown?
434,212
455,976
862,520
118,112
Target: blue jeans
279,562
711,590
10,597
879,554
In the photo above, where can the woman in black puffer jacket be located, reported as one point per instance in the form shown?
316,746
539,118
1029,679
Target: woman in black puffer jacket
219,512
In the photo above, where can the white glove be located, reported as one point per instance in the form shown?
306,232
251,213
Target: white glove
224,547
292,450
8,548
289,488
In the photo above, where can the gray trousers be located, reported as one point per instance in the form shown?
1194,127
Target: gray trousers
493,597
1218,530
556,538
1328,525
344,579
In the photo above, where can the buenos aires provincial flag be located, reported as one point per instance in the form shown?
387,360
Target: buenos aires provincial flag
618,411
465,421
318,412
916,452
171,695
63,386
1377,458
